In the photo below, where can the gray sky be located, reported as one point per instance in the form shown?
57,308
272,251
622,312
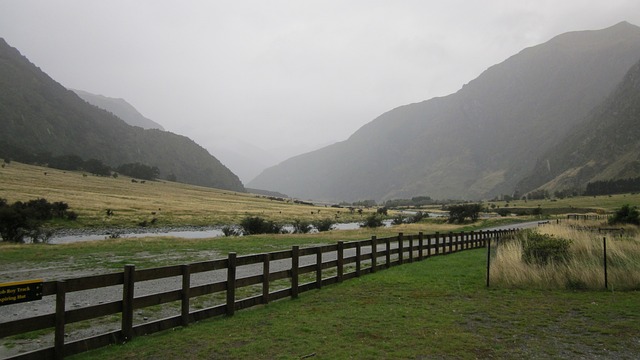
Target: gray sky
295,72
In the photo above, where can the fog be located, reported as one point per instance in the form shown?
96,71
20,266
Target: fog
271,79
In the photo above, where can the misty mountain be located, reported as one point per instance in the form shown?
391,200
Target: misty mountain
476,143
119,108
248,160
38,115
605,147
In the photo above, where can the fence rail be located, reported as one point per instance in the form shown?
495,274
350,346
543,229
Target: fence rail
329,263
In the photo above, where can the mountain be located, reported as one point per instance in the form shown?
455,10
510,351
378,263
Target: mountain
119,108
38,115
476,143
605,147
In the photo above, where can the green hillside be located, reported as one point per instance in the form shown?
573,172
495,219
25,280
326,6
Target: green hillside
38,115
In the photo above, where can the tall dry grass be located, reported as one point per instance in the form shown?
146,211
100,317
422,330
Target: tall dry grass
585,267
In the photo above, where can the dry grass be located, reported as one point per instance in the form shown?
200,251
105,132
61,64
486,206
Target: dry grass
168,202
583,270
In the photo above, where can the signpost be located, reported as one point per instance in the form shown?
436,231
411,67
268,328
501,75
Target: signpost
20,291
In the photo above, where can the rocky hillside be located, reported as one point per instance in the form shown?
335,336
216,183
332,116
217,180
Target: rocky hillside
478,142
605,147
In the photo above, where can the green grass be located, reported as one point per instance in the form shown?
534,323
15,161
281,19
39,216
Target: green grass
438,308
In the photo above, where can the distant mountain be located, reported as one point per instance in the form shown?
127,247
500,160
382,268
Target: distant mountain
477,143
605,147
119,108
38,115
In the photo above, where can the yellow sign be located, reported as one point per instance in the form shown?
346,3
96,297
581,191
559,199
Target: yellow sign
20,291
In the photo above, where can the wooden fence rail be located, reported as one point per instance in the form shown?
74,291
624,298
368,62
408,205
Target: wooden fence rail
330,264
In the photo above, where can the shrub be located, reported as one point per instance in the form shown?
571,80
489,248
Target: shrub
626,215
540,249
458,213
398,220
256,225
230,231
20,220
324,224
372,221
301,226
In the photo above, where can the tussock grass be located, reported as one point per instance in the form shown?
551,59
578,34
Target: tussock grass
169,203
584,269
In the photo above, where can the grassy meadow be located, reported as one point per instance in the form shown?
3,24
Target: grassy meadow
584,266
169,203
437,308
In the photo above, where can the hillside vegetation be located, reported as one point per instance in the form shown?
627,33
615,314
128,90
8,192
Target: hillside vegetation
40,116
478,142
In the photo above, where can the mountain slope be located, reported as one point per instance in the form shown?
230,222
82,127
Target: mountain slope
605,147
38,115
119,108
476,143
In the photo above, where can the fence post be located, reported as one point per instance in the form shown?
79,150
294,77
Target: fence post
340,260
604,244
400,248
319,267
388,254
488,258
437,238
295,262
186,285
127,302
358,258
410,248
420,245
450,241
266,264
374,253
61,295
231,284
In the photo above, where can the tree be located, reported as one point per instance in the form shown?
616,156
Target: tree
458,213
626,215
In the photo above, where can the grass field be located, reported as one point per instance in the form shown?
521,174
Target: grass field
583,267
169,203
437,308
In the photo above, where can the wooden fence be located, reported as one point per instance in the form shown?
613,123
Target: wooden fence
341,261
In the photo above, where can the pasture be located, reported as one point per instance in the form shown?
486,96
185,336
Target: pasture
437,308
169,203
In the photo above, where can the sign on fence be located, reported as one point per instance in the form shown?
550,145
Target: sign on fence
20,291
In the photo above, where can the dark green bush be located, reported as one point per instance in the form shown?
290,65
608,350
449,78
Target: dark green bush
20,219
541,249
372,221
301,226
324,224
252,225
626,215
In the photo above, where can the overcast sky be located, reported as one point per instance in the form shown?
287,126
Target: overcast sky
276,73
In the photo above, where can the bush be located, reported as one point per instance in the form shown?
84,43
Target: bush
458,213
540,249
626,215
372,221
230,231
20,220
252,225
301,226
398,220
324,224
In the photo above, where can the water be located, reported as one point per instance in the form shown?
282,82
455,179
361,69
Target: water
185,234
